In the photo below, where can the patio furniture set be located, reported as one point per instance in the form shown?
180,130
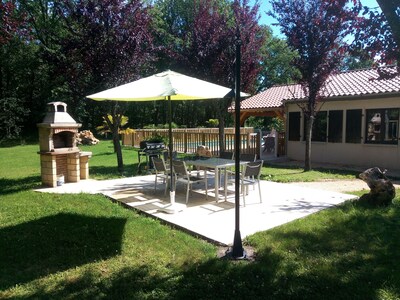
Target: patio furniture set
192,171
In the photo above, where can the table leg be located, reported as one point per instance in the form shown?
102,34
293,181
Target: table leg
225,184
205,176
216,184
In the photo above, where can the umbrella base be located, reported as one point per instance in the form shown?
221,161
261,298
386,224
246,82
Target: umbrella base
171,208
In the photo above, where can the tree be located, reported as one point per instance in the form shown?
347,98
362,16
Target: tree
315,29
377,35
276,64
202,42
12,22
103,44
106,128
23,78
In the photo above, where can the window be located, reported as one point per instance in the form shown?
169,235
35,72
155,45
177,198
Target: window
382,126
294,126
319,127
335,126
353,126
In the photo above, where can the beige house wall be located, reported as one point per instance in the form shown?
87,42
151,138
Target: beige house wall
360,155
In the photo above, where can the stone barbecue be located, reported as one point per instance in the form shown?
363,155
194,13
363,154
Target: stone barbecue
59,155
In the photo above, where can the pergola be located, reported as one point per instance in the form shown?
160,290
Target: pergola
268,103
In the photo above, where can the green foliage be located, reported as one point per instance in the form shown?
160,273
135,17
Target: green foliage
105,128
12,115
161,126
255,122
212,123
277,66
276,123
157,138
266,123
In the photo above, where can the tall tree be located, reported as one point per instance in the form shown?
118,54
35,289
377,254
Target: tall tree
276,64
315,29
104,44
202,37
21,75
378,34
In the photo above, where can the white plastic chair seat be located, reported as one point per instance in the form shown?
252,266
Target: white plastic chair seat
250,176
182,175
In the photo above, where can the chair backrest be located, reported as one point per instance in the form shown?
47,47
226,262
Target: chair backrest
226,155
248,157
179,167
253,169
166,155
159,164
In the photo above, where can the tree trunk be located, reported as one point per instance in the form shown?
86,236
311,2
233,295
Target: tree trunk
307,159
114,126
118,150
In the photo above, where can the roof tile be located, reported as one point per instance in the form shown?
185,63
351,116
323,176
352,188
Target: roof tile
350,83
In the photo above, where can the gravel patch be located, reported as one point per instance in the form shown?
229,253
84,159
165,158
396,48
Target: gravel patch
341,186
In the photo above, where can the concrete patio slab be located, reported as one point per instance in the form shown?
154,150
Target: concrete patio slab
205,218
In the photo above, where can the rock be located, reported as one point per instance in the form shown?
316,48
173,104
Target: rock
382,190
86,137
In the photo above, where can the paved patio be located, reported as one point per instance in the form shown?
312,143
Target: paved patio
205,218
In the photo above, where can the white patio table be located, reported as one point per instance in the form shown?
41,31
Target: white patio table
217,164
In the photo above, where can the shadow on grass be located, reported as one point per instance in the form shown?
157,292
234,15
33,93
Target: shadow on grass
56,243
352,258
19,142
9,186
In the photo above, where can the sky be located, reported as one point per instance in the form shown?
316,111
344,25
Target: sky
267,20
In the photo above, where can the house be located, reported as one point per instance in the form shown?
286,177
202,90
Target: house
357,122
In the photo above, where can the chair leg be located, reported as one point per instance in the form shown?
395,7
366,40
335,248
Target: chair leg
187,192
155,184
244,194
206,183
166,186
259,190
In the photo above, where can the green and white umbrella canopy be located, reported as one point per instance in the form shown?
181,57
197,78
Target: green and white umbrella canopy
160,86
170,86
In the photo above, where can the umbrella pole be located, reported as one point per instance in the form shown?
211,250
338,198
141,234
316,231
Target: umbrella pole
171,208
171,187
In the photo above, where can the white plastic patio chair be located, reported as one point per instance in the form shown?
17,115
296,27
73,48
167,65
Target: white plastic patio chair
162,172
182,174
250,176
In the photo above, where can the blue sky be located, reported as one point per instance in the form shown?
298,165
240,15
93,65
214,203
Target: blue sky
266,6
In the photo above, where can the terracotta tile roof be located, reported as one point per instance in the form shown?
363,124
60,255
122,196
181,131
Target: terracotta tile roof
350,83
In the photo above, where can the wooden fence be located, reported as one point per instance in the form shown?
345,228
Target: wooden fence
187,140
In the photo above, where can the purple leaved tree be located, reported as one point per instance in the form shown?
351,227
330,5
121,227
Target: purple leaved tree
378,34
210,48
315,29
104,44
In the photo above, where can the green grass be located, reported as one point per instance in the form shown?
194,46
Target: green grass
86,247
295,174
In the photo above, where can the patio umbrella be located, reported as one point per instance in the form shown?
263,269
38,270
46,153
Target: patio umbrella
168,86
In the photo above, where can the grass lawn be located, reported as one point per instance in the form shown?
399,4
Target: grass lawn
85,247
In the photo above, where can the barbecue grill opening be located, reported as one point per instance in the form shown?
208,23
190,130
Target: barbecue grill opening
63,139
